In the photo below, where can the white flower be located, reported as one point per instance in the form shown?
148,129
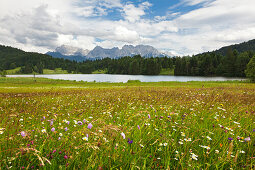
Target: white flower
182,134
44,131
141,146
60,134
1,132
180,142
165,144
206,147
85,138
193,156
208,137
242,151
237,123
217,151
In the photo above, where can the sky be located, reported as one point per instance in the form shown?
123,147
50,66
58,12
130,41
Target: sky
180,27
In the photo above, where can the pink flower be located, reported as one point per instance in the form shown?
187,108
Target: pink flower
53,129
23,134
123,135
65,156
149,116
247,139
138,127
90,125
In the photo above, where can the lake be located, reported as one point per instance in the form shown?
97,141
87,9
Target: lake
125,78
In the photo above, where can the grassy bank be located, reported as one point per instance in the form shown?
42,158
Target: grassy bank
57,124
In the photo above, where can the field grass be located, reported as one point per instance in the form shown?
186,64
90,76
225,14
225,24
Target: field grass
56,71
100,71
13,71
45,71
166,71
57,124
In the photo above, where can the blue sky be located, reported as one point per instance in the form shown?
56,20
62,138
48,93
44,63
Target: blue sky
178,27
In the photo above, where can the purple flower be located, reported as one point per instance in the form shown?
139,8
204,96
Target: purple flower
90,125
138,127
253,130
230,139
68,122
123,135
66,129
149,116
65,156
84,120
54,151
53,129
130,141
51,122
79,123
247,139
23,134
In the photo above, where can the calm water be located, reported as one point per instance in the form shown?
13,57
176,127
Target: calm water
125,78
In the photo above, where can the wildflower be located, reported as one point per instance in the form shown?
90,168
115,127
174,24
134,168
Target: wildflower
138,127
85,138
66,129
90,125
130,141
149,116
44,131
180,142
1,131
123,135
182,134
206,147
217,151
79,123
60,134
247,139
23,134
208,137
141,146
242,151
53,129
54,151
51,122
84,120
165,144
230,139
68,122
236,123
193,156
65,156
221,145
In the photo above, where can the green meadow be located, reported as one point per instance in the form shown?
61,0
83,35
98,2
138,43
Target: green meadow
57,124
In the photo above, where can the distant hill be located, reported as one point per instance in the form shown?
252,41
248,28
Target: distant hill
11,58
242,47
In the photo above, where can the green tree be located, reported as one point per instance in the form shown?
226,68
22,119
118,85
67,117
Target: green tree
250,71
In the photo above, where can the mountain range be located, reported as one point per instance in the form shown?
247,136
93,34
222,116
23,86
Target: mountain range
79,54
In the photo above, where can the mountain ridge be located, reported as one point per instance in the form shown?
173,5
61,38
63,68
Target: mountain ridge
78,54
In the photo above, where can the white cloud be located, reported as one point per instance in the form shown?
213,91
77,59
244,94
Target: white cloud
42,25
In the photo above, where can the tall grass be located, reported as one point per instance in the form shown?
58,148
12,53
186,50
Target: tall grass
47,125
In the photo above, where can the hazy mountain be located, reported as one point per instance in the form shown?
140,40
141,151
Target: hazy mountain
127,50
71,51
78,54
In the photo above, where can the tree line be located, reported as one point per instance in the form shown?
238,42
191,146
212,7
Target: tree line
233,64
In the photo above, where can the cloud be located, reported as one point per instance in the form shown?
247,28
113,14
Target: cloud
42,25
132,13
